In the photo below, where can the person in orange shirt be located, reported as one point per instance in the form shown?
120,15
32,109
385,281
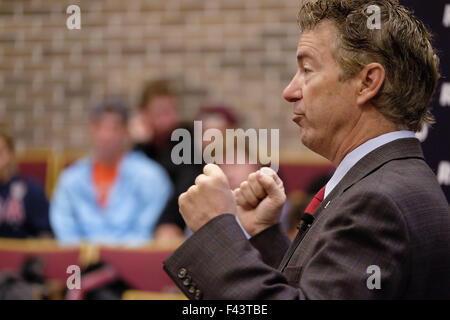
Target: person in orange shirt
113,196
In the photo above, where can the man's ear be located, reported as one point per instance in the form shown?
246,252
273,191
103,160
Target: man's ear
372,77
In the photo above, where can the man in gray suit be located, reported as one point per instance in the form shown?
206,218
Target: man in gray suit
380,228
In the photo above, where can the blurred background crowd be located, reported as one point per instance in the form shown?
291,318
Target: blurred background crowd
86,123
125,190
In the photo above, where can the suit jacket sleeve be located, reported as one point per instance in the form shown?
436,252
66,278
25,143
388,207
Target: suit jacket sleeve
365,230
272,244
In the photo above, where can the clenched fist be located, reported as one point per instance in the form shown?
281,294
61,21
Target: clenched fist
210,197
260,200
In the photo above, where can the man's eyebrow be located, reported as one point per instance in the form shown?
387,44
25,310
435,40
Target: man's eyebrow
303,55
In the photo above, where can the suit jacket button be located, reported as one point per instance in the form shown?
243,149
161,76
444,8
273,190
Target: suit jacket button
182,273
187,281
198,294
192,289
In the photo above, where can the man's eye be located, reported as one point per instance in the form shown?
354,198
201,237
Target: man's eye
306,70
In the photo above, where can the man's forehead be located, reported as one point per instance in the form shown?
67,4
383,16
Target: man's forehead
317,40
109,117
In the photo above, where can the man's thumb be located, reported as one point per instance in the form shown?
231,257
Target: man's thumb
268,181
213,170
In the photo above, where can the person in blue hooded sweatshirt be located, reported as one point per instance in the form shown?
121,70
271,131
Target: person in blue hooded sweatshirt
113,196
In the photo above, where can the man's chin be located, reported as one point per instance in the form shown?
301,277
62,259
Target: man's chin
306,140
304,137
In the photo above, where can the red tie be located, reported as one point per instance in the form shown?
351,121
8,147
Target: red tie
315,202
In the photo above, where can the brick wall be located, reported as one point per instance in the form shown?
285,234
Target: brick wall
236,51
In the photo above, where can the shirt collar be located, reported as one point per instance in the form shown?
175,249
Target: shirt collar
357,154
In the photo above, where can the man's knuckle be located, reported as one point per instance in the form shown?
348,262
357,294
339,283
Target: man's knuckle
191,190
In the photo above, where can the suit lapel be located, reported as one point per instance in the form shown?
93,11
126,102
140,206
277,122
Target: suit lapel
398,149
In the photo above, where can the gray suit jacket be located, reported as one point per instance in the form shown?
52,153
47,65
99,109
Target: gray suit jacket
388,211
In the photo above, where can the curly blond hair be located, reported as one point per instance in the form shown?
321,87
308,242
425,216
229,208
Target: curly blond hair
403,45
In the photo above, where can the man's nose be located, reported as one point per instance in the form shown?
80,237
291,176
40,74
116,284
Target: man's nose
293,91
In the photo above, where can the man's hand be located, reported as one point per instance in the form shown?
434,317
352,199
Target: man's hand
208,198
260,200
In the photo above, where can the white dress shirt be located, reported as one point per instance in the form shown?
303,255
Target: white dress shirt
360,152
353,157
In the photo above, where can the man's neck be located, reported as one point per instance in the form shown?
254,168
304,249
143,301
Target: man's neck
108,160
362,132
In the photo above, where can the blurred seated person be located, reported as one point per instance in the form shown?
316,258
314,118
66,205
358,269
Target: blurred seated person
238,172
157,120
298,201
218,116
23,204
113,196
222,117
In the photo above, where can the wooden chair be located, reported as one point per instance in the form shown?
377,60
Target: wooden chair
14,252
39,165
149,295
141,267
